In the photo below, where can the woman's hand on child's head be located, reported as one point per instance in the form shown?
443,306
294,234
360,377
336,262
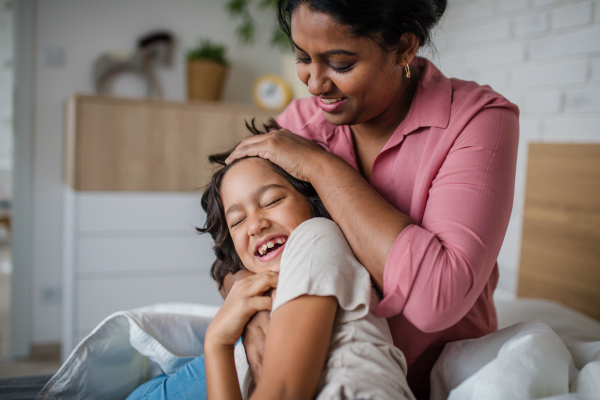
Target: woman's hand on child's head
291,152
245,299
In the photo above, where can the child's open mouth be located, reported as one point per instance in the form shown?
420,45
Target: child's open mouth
271,246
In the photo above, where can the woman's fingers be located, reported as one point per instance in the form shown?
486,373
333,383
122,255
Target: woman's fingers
284,148
252,146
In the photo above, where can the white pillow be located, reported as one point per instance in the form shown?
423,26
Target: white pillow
524,361
129,348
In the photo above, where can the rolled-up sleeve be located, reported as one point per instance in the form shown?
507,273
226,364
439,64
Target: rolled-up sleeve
438,268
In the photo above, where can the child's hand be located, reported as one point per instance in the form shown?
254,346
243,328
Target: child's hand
244,300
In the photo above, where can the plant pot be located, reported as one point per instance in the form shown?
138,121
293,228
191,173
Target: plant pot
205,79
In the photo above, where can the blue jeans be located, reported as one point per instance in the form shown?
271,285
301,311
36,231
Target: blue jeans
187,383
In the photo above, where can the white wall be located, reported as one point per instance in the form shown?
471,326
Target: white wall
543,55
6,97
82,29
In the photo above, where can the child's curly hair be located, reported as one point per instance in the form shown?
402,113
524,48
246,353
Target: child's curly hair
228,260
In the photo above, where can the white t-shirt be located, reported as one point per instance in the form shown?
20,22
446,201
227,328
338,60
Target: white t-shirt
363,362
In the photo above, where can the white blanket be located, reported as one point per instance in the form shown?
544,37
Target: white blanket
128,348
527,360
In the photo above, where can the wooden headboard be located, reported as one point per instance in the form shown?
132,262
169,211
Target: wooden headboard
560,250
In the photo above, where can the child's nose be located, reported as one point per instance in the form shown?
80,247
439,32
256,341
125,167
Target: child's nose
257,224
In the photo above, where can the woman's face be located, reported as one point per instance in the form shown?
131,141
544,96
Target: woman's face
355,80
262,209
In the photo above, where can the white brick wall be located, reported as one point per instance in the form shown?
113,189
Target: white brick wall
572,16
544,55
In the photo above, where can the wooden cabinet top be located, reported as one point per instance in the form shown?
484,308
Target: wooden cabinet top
117,144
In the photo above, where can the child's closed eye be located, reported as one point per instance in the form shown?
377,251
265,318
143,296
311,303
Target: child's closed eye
272,202
233,225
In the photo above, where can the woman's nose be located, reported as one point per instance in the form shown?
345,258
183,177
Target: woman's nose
256,224
317,81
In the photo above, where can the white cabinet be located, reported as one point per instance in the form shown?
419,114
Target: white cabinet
132,249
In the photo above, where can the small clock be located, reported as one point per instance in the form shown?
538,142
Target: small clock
270,92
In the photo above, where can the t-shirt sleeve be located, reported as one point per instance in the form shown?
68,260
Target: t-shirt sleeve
318,261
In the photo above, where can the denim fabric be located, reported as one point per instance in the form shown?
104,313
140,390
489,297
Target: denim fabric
187,383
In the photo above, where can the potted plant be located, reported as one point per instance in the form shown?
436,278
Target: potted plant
206,71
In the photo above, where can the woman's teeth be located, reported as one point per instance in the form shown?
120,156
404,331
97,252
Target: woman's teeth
331,101
262,250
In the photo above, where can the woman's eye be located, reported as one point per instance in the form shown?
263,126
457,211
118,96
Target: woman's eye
302,60
342,69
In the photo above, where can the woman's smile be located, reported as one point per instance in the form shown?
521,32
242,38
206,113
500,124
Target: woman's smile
332,105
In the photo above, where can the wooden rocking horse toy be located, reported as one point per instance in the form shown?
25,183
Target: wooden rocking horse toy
156,47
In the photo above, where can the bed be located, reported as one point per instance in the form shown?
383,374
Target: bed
547,346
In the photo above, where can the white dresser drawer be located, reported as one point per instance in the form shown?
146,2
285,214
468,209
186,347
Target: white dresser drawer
116,253
98,298
138,211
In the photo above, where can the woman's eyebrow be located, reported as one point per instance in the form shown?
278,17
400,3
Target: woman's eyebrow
333,52
255,195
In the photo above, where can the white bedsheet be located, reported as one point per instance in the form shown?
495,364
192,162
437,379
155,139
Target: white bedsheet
554,355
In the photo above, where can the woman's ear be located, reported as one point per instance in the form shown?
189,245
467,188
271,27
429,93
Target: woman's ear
407,49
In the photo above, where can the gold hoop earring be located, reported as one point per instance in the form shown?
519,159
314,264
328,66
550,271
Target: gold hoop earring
407,70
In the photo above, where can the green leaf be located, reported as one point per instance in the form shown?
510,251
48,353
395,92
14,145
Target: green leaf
236,7
264,4
246,31
207,50
280,39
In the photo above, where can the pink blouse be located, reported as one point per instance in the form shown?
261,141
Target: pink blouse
450,166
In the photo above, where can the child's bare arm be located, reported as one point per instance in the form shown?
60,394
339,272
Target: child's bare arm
245,299
296,348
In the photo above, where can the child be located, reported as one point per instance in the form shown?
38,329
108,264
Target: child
323,340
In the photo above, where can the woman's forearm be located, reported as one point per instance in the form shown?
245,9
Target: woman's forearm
370,224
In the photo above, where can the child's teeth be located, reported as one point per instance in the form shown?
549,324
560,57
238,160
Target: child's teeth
270,245
280,241
264,247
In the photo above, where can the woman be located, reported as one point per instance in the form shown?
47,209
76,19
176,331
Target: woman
419,172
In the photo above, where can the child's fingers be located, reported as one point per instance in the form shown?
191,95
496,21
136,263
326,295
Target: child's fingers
256,285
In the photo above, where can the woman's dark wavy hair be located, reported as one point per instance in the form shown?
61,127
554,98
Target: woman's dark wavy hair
228,260
384,21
